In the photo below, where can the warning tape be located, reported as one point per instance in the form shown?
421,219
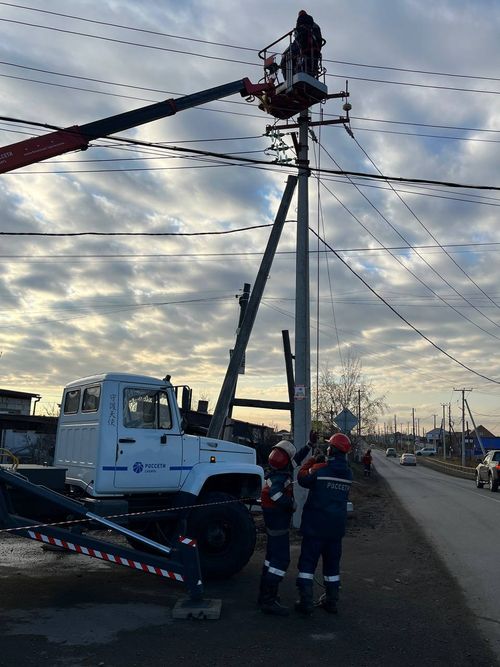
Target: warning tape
130,514
102,555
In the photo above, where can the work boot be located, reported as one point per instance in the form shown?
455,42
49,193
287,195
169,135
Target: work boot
270,603
328,601
305,604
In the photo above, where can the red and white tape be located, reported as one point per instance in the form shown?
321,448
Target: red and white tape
94,553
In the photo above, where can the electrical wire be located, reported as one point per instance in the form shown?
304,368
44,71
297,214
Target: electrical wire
406,268
239,47
211,233
223,156
403,319
421,257
416,217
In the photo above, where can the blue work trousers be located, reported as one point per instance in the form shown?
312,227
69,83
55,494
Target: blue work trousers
330,550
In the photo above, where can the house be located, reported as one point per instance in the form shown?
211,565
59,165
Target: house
435,436
28,436
488,440
17,402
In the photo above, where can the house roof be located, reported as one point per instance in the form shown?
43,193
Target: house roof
8,393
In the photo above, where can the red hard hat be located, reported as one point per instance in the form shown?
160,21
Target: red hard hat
278,459
341,442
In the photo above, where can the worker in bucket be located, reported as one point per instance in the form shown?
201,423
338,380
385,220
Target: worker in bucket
323,523
278,505
304,52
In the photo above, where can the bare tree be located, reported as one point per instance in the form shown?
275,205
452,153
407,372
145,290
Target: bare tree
336,393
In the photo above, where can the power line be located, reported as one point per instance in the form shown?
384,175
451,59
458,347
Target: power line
225,156
245,254
415,216
404,265
118,309
212,233
403,319
233,60
243,48
438,296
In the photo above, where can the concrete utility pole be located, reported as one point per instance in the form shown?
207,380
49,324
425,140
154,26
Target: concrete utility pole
243,301
302,396
302,392
463,422
227,391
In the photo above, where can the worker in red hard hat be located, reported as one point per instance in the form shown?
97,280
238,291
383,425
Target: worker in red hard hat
367,461
278,506
323,523
304,52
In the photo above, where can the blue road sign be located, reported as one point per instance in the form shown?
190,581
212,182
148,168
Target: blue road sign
345,420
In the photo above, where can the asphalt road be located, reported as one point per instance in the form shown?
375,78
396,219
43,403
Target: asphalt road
399,606
462,523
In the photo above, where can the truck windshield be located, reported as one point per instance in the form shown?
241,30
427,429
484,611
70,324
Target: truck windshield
146,408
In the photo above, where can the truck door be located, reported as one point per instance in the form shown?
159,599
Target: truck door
149,444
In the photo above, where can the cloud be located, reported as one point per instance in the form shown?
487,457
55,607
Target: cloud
79,305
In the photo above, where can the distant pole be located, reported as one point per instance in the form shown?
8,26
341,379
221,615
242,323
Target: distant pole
413,418
463,422
443,405
359,413
395,432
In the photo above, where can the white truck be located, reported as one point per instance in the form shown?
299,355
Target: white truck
121,441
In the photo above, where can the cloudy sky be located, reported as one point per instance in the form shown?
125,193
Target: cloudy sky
425,94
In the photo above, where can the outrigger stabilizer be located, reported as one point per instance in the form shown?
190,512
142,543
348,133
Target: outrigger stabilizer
179,563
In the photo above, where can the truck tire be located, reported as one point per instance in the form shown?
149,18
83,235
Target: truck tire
492,484
225,533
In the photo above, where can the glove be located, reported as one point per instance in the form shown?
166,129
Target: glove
313,438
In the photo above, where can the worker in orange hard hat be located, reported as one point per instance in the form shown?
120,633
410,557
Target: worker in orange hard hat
278,506
323,523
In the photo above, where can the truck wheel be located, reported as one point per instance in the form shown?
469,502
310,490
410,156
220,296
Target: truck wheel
225,534
479,484
492,484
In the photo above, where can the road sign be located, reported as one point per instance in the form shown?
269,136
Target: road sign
345,420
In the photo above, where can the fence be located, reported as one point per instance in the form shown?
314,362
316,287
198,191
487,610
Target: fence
453,469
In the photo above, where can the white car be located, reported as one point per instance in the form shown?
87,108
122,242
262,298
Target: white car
408,460
426,451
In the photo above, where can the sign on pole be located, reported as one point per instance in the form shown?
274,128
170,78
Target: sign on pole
345,420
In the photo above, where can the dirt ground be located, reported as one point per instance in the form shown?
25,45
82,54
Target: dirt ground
399,607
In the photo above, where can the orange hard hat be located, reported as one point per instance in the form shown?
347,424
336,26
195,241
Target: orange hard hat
339,441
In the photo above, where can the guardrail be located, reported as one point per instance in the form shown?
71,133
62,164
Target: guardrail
453,469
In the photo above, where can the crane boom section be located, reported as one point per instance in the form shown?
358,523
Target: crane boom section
77,137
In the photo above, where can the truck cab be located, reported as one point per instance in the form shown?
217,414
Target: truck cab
121,440
120,433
